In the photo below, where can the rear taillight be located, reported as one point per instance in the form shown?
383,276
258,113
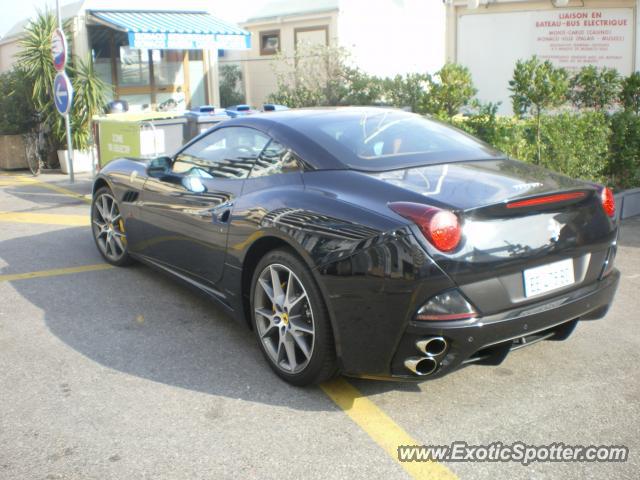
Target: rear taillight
608,202
440,227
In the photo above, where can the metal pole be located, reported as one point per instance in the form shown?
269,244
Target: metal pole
67,123
58,14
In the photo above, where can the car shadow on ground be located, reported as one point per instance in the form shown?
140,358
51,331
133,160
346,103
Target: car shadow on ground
140,322
43,198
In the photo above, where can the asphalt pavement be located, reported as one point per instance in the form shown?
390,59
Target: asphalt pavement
121,373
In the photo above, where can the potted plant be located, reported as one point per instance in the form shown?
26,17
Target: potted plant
17,120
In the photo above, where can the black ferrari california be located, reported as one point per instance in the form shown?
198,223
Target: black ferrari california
365,241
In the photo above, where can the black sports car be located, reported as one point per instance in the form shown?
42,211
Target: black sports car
366,241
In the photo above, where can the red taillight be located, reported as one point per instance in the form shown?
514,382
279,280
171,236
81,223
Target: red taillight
608,201
558,197
441,227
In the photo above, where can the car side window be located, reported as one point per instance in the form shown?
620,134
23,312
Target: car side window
228,152
275,158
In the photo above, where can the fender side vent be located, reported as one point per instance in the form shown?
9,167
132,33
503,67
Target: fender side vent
130,196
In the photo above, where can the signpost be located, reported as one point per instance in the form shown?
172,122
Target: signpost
62,89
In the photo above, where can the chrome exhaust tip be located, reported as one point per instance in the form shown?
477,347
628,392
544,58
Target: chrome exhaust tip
421,366
433,346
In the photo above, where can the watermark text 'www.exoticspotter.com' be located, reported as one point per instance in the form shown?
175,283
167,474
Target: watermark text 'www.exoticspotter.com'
516,452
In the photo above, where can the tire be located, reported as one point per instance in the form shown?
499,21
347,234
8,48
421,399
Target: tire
107,226
314,359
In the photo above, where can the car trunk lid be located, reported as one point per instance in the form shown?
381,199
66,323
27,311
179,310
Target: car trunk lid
514,217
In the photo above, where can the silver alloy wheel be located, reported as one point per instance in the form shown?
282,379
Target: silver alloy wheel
108,227
284,318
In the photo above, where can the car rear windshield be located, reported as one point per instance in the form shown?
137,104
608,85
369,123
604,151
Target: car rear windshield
381,139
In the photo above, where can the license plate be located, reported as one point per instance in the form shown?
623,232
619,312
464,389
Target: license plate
548,277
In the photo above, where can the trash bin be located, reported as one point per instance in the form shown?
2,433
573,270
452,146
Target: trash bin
240,110
203,118
117,106
139,135
273,107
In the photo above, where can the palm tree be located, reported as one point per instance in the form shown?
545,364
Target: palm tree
90,91
34,57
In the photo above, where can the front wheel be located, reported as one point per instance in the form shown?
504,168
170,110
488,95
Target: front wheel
107,225
291,320
31,152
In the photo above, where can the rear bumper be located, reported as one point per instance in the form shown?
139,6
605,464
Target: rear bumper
487,340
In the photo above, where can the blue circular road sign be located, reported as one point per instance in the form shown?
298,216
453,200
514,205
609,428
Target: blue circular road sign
62,93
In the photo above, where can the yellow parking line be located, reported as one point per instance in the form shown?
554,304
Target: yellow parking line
55,272
55,188
381,428
45,218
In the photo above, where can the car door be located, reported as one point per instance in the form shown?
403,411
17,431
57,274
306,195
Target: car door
275,176
186,209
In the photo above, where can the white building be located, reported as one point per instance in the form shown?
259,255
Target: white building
384,37
493,35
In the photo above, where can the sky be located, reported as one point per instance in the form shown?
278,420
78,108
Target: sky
234,10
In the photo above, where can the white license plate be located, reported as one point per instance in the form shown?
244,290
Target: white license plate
548,277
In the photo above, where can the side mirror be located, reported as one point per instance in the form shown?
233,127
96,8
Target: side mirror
159,166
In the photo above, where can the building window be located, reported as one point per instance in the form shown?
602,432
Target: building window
312,36
269,42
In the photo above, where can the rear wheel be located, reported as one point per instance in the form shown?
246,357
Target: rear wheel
291,321
108,228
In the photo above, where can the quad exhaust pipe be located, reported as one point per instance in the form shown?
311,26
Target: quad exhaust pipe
432,348
421,366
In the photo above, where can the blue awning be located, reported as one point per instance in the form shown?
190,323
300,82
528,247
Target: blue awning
174,30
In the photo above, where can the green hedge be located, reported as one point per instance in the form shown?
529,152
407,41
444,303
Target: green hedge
576,145
588,145
623,163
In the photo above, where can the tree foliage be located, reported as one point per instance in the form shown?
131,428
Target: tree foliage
623,161
537,87
315,75
17,112
408,91
323,75
451,89
90,92
231,85
630,94
34,57
594,88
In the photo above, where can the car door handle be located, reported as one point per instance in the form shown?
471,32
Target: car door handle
224,216
222,213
